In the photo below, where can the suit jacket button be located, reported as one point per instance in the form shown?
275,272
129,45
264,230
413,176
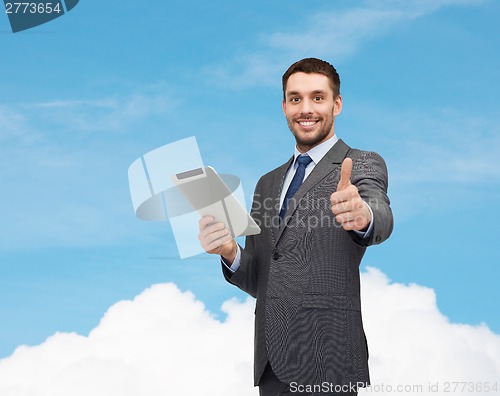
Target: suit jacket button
276,256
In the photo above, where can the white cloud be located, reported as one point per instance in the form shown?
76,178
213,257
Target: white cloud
63,170
58,195
333,35
413,343
113,113
338,32
164,342
341,33
438,146
15,126
436,155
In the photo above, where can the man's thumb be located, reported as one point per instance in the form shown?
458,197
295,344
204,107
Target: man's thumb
345,175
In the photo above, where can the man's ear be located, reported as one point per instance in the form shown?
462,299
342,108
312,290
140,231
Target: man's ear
283,106
337,106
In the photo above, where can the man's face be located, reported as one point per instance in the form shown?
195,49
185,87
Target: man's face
310,109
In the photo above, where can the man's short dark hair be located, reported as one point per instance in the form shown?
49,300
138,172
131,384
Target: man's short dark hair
314,65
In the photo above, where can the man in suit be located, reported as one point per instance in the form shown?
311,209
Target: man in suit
317,212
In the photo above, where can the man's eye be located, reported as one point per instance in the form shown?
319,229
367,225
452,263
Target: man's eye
294,100
318,98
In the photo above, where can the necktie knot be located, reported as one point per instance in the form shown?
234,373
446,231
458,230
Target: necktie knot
303,160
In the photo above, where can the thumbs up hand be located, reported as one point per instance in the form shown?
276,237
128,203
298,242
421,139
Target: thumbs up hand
347,206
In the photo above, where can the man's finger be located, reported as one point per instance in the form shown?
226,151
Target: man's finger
204,221
345,175
213,228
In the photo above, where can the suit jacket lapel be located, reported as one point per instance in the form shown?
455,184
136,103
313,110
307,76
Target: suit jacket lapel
276,194
332,158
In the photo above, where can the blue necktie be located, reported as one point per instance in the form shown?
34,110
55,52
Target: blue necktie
298,178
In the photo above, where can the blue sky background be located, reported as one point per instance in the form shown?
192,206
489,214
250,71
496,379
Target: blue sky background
85,95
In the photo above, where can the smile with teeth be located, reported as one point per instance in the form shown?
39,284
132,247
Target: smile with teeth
307,123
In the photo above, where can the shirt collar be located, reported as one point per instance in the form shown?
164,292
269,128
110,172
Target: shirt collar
317,152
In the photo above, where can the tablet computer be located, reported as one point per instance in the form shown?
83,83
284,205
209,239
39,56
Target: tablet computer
209,195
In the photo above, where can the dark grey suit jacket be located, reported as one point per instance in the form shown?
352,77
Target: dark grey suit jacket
305,273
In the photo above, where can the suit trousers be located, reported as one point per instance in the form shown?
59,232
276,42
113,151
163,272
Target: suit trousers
270,385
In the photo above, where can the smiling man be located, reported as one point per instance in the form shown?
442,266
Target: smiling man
310,114
318,212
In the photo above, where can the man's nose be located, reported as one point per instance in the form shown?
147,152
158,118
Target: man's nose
306,107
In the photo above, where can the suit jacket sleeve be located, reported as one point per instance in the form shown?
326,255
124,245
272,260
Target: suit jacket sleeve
370,177
246,276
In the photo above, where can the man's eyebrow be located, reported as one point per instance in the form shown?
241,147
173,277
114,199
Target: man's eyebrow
315,92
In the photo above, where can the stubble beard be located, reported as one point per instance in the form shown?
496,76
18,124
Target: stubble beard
308,140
